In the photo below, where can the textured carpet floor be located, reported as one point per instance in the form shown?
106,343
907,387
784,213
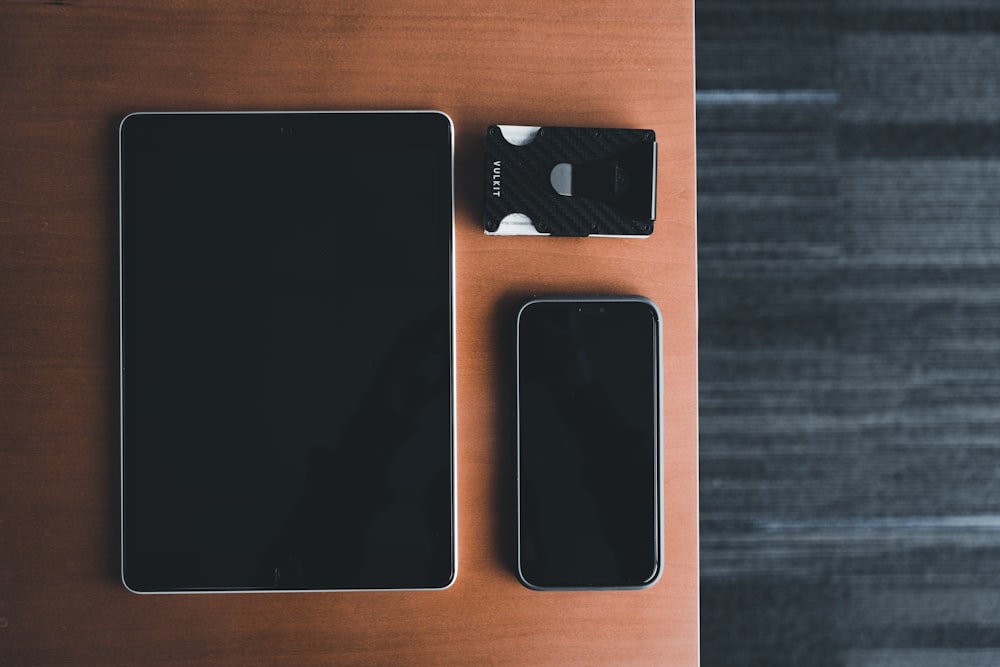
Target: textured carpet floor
849,261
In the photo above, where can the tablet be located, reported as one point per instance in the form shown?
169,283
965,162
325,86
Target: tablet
287,356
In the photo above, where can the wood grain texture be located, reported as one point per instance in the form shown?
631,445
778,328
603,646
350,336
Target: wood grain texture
69,72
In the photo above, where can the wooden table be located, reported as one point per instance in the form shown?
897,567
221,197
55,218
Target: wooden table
70,70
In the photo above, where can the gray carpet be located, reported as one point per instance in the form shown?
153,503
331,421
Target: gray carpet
849,270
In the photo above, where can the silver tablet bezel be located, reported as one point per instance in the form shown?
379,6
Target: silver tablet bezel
453,374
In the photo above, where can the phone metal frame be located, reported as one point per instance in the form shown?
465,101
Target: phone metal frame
592,300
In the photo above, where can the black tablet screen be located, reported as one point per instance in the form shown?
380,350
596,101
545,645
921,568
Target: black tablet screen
286,351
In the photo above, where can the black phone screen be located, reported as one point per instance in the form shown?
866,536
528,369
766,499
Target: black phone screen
287,388
588,407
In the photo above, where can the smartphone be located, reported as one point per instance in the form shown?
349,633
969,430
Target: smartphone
588,455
